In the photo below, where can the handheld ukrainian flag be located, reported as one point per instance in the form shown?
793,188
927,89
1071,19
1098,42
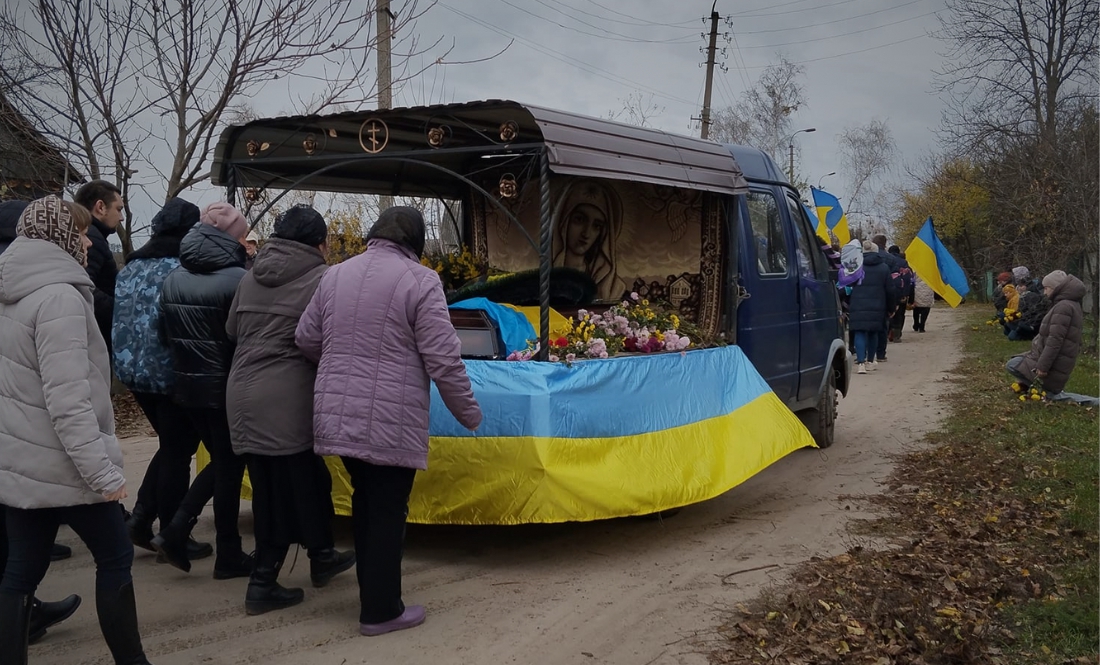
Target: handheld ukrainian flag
934,264
830,216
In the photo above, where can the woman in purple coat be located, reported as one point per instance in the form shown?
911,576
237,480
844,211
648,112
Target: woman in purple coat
379,329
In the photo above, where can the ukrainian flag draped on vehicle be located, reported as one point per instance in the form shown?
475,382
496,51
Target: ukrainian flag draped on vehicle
598,439
830,216
632,435
934,264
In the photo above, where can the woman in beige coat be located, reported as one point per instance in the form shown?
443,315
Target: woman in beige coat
60,462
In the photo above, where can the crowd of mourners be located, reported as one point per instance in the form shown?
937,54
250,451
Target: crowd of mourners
266,356
878,290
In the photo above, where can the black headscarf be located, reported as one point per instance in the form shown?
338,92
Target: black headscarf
169,226
301,224
402,225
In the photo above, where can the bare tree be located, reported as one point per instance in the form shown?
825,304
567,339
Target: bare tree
1014,66
762,116
867,154
64,66
206,56
638,109
1023,79
102,77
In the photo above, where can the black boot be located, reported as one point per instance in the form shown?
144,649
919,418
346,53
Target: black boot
171,543
60,552
328,563
140,528
15,618
195,551
265,594
232,562
117,612
44,615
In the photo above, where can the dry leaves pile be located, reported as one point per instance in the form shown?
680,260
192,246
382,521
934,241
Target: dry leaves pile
964,547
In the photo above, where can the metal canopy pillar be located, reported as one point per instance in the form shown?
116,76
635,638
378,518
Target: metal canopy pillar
546,224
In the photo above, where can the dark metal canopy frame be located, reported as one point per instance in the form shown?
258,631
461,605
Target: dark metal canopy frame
432,151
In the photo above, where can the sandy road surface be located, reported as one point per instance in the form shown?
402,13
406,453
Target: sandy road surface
623,591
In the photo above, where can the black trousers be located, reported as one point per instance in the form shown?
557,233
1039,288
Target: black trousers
882,340
379,508
897,322
3,540
221,479
31,534
169,473
291,501
920,317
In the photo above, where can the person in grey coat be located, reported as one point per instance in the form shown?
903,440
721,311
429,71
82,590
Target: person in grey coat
270,404
60,462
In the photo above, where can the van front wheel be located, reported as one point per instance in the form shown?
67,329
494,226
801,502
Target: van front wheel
821,421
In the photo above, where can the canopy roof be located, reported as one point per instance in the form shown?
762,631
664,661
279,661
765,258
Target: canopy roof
408,151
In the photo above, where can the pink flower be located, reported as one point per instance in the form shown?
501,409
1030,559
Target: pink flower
633,296
570,357
553,358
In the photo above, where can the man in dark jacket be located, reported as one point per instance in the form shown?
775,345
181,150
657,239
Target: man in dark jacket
1054,350
291,486
195,302
104,201
871,298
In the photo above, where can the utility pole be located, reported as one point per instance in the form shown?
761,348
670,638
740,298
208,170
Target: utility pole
710,69
385,85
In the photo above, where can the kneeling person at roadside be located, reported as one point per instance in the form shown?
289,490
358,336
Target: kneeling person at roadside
270,403
1054,350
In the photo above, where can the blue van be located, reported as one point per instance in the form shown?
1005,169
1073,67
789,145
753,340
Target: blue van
769,289
788,315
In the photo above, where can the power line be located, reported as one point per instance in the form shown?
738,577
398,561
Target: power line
839,20
642,24
841,55
569,60
782,4
622,14
845,34
794,11
618,37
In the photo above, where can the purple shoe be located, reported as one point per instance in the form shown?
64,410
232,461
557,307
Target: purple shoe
412,617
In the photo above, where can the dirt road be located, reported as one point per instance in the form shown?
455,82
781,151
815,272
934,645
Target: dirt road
624,591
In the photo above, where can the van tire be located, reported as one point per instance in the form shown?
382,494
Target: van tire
821,421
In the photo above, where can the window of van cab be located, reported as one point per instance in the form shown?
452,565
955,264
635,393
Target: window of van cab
810,259
770,238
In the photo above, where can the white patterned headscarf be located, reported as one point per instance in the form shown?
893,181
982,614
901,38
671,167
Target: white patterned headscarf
50,219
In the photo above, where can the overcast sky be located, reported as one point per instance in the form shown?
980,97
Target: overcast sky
863,59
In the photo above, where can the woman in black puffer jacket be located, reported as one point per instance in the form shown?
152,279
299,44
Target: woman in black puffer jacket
872,300
195,303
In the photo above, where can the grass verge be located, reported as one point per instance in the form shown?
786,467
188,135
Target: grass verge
994,534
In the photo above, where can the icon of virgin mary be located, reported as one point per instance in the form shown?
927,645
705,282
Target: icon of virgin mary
587,232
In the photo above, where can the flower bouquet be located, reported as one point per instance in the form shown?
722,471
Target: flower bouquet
1028,393
456,268
634,326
